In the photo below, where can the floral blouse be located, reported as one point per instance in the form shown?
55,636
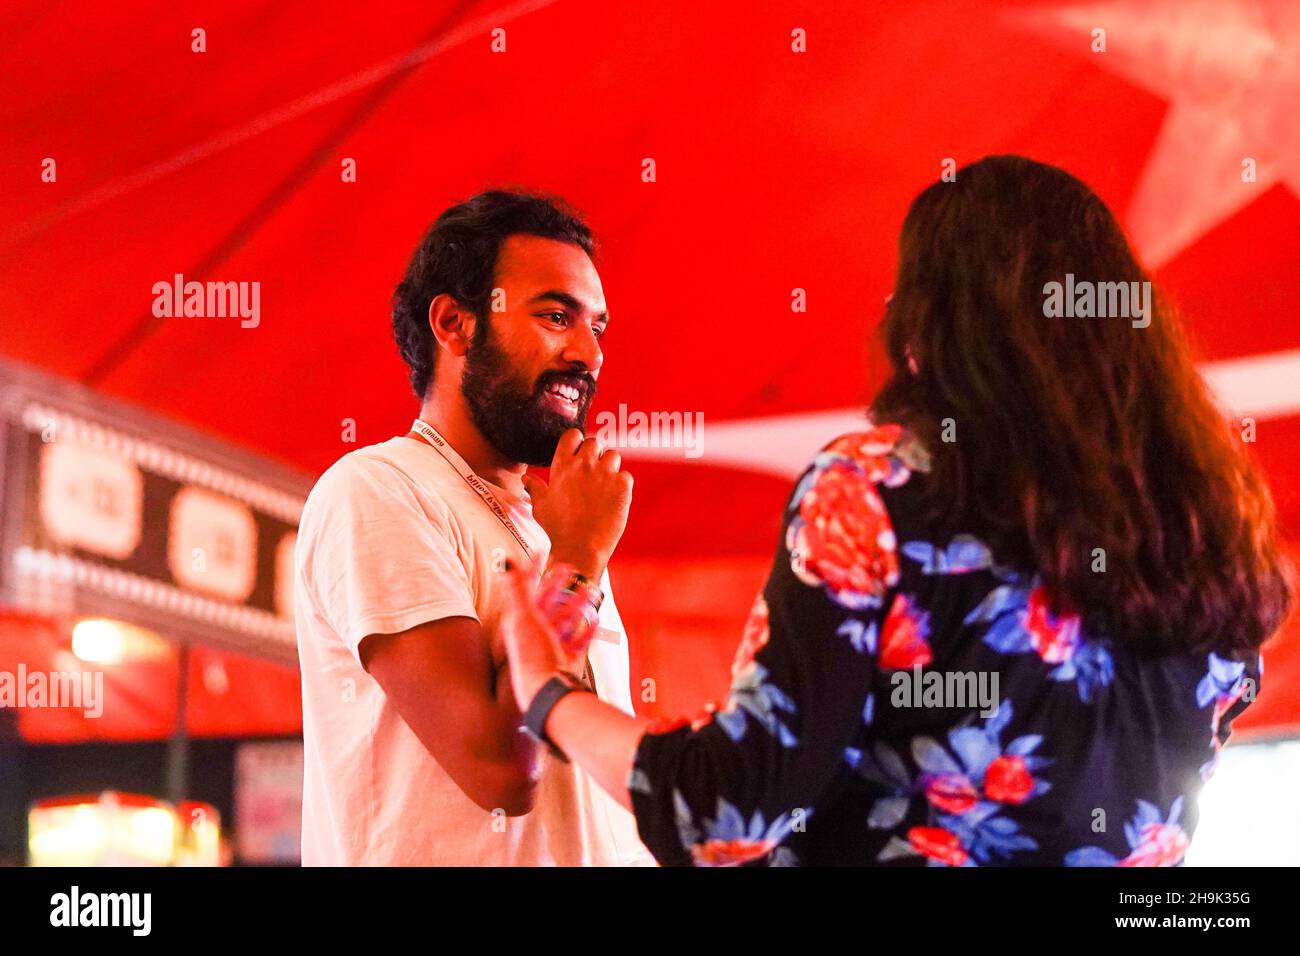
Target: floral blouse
899,700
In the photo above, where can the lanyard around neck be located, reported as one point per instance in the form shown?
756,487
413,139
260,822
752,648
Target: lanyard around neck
452,457
480,487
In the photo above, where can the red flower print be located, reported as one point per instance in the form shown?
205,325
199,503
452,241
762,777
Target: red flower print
754,637
845,539
1055,637
1162,844
730,852
1008,780
902,637
951,792
938,844
870,450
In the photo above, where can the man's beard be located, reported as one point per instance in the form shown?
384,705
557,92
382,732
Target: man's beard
510,412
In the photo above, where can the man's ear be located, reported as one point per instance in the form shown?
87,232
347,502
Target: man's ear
452,324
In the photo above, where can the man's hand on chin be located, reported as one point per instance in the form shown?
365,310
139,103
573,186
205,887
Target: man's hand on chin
583,509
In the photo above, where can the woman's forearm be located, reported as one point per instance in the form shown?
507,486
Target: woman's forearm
599,738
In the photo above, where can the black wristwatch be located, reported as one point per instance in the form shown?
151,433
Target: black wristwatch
550,694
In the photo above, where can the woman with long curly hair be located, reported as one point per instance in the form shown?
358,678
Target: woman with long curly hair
1011,621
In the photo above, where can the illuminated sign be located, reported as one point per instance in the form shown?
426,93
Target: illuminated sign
109,511
90,498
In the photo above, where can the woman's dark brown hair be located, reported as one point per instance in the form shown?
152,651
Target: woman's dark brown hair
1068,435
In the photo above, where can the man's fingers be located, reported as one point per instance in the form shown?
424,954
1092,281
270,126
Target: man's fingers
535,487
611,460
567,446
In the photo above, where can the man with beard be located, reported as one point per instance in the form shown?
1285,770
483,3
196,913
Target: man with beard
413,748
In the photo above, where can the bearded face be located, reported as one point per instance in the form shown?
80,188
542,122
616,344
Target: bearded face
523,417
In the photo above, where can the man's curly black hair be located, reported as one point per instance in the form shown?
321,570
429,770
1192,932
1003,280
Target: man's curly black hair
458,256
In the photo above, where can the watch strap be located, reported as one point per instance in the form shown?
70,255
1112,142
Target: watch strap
550,694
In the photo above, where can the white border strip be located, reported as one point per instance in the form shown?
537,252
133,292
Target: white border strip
1258,386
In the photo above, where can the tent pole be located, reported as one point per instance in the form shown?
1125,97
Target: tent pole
178,747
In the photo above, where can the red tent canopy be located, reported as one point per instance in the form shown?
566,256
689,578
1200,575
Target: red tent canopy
775,170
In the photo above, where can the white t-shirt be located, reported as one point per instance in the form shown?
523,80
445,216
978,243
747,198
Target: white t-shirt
391,537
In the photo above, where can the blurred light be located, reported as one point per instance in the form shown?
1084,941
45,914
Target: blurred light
103,641
98,641
66,836
110,829
152,828
1247,809
215,679
199,843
